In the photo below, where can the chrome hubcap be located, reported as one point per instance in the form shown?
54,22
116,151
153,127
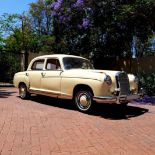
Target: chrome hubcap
22,91
83,100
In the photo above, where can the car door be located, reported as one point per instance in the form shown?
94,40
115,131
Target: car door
51,77
35,75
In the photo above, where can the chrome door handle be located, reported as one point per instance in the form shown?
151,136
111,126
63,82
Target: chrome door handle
27,74
43,74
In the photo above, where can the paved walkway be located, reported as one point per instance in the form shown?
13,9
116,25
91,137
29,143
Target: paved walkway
46,126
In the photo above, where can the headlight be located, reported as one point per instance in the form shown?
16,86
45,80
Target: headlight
108,80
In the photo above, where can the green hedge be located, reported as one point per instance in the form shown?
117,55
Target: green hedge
9,65
147,81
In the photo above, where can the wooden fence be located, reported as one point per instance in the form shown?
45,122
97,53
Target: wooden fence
141,65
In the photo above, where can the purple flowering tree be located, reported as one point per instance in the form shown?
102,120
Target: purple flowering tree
56,5
72,21
105,28
78,4
71,11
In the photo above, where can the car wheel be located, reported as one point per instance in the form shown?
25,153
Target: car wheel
83,100
23,93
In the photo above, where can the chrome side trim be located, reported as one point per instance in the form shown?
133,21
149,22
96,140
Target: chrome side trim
50,94
65,96
41,92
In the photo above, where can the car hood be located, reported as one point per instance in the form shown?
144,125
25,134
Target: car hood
89,73
107,72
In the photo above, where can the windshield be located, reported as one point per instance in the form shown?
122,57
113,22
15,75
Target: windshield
72,63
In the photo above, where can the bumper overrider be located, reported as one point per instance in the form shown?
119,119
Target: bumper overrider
117,99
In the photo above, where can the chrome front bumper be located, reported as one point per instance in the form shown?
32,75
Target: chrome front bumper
116,99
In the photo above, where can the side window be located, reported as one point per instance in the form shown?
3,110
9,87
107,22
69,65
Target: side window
38,65
52,64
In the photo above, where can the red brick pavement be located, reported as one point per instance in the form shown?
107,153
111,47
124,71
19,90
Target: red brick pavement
45,126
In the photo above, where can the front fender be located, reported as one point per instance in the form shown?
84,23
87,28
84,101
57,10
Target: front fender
20,78
99,88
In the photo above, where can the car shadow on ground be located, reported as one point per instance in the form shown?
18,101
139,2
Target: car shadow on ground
117,112
60,103
5,94
107,111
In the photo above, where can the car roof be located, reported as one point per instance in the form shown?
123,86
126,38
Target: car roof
57,56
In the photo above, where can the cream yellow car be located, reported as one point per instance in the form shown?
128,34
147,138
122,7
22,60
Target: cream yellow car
73,77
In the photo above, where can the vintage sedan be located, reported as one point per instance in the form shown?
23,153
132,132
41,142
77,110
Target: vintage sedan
73,77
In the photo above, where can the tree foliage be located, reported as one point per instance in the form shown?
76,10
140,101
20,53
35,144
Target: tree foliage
8,24
104,27
98,28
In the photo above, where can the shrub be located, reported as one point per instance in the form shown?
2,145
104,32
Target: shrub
147,81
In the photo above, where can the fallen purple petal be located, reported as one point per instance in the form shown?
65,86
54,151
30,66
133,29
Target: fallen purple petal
146,100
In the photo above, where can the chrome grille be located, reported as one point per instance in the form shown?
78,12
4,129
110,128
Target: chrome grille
123,83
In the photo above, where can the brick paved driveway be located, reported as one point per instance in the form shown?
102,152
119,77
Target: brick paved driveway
46,126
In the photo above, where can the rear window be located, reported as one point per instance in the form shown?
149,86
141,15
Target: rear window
53,64
38,65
